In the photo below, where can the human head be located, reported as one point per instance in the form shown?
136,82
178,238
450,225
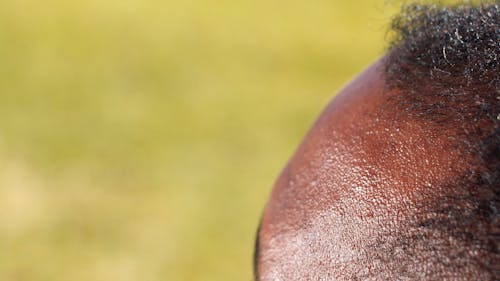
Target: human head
399,177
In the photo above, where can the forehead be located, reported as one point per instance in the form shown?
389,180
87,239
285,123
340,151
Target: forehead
357,177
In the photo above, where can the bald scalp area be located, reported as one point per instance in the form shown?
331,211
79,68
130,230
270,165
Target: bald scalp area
357,199
399,176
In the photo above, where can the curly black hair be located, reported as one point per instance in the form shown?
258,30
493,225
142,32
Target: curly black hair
444,67
447,55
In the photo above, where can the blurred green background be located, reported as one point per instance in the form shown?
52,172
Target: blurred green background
139,140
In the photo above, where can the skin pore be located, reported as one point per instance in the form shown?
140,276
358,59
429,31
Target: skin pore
388,185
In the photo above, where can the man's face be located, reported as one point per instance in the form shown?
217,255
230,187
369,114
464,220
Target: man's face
357,183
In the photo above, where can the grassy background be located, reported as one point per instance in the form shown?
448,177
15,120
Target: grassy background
139,139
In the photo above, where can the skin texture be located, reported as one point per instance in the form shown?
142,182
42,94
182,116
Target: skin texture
357,191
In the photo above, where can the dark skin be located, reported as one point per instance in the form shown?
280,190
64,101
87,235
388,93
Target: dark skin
358,181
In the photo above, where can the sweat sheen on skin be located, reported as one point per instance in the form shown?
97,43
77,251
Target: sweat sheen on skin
358,181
